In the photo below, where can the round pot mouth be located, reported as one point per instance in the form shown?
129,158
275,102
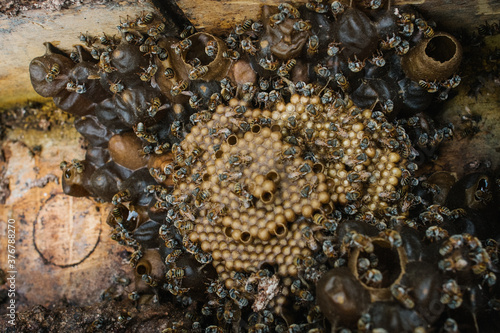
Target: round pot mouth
273,175
433,59
387,255
143,267
216,67
245,237
267,197
280,230
441,48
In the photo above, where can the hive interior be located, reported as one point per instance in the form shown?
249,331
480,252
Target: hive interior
274,162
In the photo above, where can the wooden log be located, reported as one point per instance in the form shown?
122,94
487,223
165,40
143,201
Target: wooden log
51,227
62,243
206,14
471,150
21,37
462,14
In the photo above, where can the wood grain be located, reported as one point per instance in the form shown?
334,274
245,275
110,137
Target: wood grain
470,153
72,236
63,247
21,37
449,14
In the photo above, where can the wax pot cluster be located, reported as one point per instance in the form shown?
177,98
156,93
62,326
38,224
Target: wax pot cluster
267,178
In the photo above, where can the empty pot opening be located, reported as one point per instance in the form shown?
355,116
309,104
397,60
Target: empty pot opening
327,208
266,196
232,140
441,48
280,230
384,259
256,129
197,49
142,269
272,175
245,237
228,231
318,167
276,128
483,184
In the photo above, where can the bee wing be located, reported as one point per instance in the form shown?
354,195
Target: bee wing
154,84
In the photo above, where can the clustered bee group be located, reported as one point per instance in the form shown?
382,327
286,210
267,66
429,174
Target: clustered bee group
274,179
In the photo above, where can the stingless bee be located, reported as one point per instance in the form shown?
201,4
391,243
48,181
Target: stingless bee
342,82
173,256
377,59
122,196
155,107
302,26
317,6
188,31
393,237
198,72
148,72
400,293
300,171
372,277
156,30
144,18
337,8
78,88
269,64
355,239
289,10
276,19
241,29
313,45
116,87
356,65
322,71
178,88
402,48
175,273
248,46
257,27
334,49
452,82
52,73
431,87
182,46
390,42
87,39
211,48
285,68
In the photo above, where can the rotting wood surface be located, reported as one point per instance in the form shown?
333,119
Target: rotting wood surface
63,248
22,37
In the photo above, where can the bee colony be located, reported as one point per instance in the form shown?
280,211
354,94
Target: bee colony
267,178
